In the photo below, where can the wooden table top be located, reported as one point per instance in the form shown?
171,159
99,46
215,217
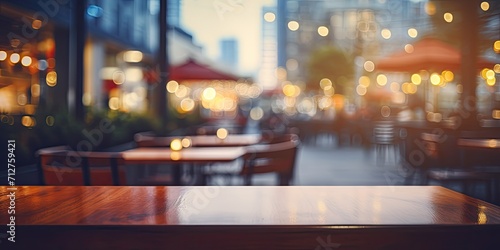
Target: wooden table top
122,217
264,206
479,143
192,154
230,140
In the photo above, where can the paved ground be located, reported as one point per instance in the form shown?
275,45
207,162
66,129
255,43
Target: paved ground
325,164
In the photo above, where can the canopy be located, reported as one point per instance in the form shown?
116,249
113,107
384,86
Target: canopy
428,54
192,70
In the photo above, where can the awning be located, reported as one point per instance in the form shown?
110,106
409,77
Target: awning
428,54
192,70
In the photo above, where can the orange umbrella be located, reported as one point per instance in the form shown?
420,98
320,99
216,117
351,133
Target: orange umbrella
427,54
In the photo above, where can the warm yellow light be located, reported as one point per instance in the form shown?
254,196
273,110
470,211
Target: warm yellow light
485,6
35,90
483,73
269,17
209,93
176,144
293,25
222,133
329,91
430,8
51,78
416,79
26,61
281,74
3,55
36,24
28,121
361,90
490,74
22,99
324,102
409,88
381,80
186,142
369,66
182,91
386,33
132,56
15,57
114,103
172,86
448,17
134,74
435,79
364,81
490,81
496,46
289,90
496,68
175,156
495,114
325,82
187,104
118,77
412,32
448,75
323,31
256,113
409,48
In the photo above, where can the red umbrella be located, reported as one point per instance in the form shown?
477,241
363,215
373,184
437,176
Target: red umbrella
427,54
192,70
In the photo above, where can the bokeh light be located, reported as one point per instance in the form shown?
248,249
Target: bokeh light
293,25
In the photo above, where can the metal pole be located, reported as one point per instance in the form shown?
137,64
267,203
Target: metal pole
162,110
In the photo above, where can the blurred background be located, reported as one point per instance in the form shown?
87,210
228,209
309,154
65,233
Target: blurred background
331,70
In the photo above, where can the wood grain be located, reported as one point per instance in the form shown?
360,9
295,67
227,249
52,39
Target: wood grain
409,217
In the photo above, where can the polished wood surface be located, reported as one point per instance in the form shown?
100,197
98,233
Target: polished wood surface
230,140
99,205
192,154
479,143
399,217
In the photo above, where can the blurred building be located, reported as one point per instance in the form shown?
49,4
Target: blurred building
34,58
229,53
354,26
121,43
269,61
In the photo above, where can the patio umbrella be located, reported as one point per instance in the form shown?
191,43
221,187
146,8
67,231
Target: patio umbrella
428,54
192,70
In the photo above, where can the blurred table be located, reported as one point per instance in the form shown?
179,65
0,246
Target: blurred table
230,140
123,217
159,155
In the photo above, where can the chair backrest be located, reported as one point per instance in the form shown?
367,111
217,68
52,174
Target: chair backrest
384,132
278,156
71,168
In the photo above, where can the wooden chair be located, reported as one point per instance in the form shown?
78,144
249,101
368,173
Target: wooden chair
60,166
278,156
447,164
